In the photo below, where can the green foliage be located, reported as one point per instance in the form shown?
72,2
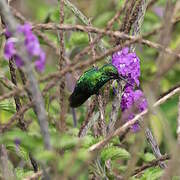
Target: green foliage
7,106
152,174
78,39
114,153
22,173
148,157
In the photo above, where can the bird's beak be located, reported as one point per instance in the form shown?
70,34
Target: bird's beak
125,80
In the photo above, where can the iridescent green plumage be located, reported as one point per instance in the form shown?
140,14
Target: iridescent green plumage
90,83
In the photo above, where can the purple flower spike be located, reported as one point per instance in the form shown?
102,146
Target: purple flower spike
132,100
32,45
9,49
128,65
26,29
135,127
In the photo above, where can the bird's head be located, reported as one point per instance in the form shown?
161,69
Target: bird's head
110,71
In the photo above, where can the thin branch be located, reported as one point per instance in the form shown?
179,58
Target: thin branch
21,121
6,82
150,164
115,34
139,21
62,112
152,141
83,129
101,122
115,109
83,19
36,175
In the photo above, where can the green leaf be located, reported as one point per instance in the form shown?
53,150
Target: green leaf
45,155
19,150
148,157
7,106
22,173
78,38
114,153
152,174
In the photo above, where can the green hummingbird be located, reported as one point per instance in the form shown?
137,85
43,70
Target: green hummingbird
90,82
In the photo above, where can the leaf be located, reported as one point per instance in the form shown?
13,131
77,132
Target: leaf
148,157
21,173
102,19
43,155
152,174
114,153
19,150
7,106
78,38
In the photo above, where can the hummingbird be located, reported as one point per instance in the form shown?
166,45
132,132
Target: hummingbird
90,83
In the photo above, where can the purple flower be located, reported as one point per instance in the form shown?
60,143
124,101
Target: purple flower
128,65
40,63
32,45
17,141
9,49
19,62
7,33
26,29
159,11
132,100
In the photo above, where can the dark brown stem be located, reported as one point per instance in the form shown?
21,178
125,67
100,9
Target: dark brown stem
62,123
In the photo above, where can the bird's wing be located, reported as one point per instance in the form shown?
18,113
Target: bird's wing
79,96
82,89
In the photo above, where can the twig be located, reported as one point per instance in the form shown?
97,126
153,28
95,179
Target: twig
116,34
62,112
138,23
83,19
34,176
6,82
21,121
84,127
17,115
101,122
115,109
14,92
37,98
151,140
151,164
